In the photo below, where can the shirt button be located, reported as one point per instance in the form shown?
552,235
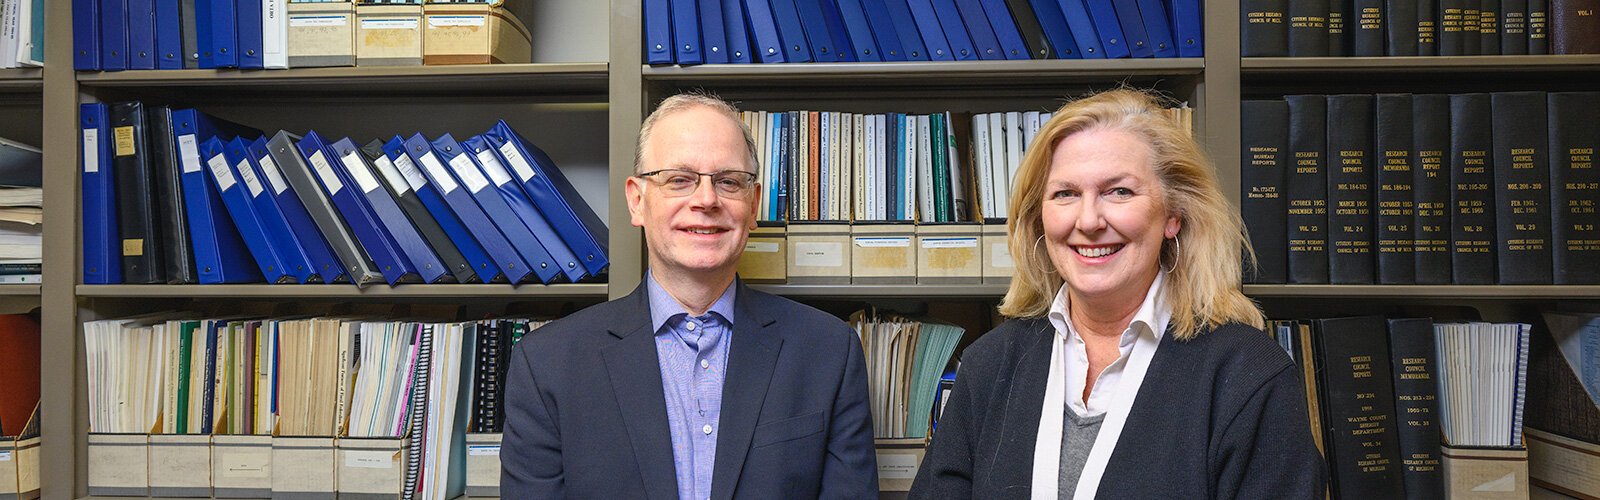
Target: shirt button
705,364
706,429
689,325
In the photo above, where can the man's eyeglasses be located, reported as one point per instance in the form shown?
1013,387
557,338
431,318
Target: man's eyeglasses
676,182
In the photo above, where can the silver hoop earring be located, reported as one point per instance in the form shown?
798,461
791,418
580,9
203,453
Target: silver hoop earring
1177,253
1035,249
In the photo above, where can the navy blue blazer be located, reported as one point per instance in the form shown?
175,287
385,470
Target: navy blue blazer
586,418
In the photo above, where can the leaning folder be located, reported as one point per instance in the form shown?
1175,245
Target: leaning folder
512,193
557,199
382,206
420,157
241,212
219,251
357,214
295,170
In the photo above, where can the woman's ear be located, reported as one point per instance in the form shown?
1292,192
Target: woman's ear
1174,224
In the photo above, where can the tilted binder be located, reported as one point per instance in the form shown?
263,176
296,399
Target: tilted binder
419,153
557,199
140,237
1133,28
512,193
243,214
854,17
1188,32
1104,17
169,34
363,223
984,43
843,46
249,43
413,191
686,32
738,35
713,38
102,255
388,214
882,28
1081,25
1158,27
412,208
465,168
286,156
291,256
220,255
285,217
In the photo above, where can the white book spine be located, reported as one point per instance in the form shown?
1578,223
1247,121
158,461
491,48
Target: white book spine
1013,146
960,207
275,34
925,191
1030,123
997,164
980,156
908,194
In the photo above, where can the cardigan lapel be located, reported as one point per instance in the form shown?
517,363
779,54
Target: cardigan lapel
751,359
1013,461
635,375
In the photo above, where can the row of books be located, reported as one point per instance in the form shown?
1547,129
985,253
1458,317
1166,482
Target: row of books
906,364
1423,189
1370,28
116,35
423,382
175,196
21,215
1384,395
687,32
930,168
21,33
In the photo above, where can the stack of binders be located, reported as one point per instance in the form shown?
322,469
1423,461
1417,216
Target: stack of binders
175,196
688,32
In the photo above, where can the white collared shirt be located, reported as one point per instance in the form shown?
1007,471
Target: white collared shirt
1113,393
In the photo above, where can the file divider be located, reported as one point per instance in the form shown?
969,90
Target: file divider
180,465
241,466
119,464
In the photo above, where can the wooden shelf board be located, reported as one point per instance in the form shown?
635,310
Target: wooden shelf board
1267,66
926,73
263,291
19,290
21,80
567,78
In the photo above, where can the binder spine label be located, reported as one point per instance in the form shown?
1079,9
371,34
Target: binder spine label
497,173
325,172
124,138
189,153
408,171
219,169
469,173
392,176
274,177
248,175
363,178
518,163
437,171
91,150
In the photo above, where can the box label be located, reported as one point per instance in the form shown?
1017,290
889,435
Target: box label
891,242
189,151
483,450
949,243
408,170
469,173
317,21
450,21
761,247
491,165
518,163
811,254
897,465
248,175
392,176
437,172
388,24
366,459
5,456
245,464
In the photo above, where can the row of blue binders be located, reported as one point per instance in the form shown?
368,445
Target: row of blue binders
116,35
492,208
688,32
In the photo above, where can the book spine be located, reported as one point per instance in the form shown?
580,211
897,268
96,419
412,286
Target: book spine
1452,27
1339,39
1308,28
1263,30
1574,27
1427,27
1574,188
1262,191
1366,32
1489,27
1400,27
1359,406
1396,203
1430,117
1471,27
1307,186
1472,224
1514,27
1538,27
1350,179
1521,187
1411,351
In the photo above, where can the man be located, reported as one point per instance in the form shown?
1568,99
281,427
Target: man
693,386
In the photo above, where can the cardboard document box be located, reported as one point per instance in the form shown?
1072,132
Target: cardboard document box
949,254
997,263
1485,473
474,34
241,466
483,465
1563,464
303,468
322,34
898,460
180,465
388,35
119,465
766,256
19,467
819,254
372,468
883,254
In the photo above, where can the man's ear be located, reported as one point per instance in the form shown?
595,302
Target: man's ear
635,193
755,206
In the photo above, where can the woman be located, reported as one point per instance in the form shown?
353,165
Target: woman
1133,367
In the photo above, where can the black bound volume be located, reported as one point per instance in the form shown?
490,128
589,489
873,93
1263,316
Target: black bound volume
1574,188
1264,29
1366,19
1265,136
1307,185
1538,27
1430,187
1396,207
1452,27
1338,16
1032,33
1416,406
142,258
1358,408
179,259
1471,27
1427,27
1513,27
1350,167
1400,27
1308,28
1472,191
1522,187
1489,27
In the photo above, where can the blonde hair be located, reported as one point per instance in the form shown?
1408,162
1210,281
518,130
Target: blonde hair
682,102
1202,288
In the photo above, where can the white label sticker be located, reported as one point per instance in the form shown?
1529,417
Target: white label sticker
317,21
1000,255
897,465
364,459
518,163
392,176
219,169
900,242
761,247
189,153
91,150
358,171
438,173
325,172
408,170
5,456
949,243
246,464
388,24
808,254
448,21
274,177
491,165
469,173
483,450
248,175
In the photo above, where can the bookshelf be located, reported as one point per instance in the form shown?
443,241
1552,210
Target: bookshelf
589,77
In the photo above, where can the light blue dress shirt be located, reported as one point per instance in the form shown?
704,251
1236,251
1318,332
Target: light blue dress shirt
693,353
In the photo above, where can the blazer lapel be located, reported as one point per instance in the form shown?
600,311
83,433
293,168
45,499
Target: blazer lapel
751,359
635,375
1024,404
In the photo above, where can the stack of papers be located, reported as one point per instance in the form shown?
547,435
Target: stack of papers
1483,372
905,358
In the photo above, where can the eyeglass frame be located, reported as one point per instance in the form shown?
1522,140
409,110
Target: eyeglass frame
744,185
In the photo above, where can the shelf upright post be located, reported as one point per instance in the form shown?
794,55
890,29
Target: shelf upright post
62,460
628,105
1218,108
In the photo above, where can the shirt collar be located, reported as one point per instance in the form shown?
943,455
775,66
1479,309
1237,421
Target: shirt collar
663,307
1152,314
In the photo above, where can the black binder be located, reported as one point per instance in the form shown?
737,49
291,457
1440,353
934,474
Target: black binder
142,257
176,251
